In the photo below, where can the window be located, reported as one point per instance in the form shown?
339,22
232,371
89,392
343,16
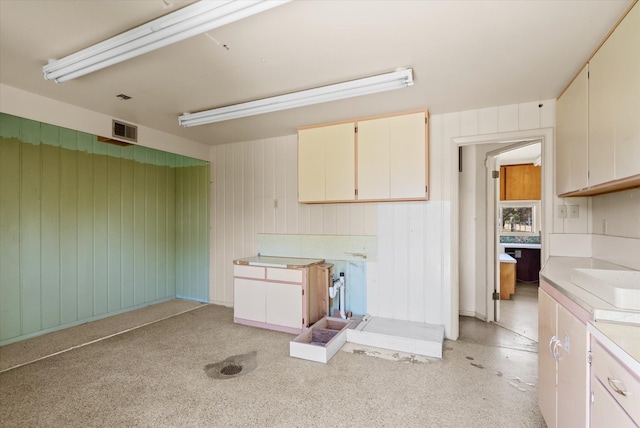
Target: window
519,218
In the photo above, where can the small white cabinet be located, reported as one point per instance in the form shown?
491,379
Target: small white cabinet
562,363
368,159
288,298
598,118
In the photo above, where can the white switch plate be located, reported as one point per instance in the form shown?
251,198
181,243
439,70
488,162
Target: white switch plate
562,211
574,211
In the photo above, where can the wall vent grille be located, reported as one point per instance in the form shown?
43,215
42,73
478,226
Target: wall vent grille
124,131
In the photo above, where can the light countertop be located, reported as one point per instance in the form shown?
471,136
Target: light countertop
278,262
617,329
506,258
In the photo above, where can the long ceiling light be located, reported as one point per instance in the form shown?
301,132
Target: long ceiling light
187,22
338,91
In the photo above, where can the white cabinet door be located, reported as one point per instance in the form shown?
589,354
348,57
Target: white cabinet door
572,136
407,156
373,159
547,317
614,104
326,163
284,304
627,157
249,299
392,157
573,371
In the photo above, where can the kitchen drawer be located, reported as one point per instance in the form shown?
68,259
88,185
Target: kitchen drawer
286,275
618,380
255,272
606,412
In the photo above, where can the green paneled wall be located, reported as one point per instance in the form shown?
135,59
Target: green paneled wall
89,229
192,228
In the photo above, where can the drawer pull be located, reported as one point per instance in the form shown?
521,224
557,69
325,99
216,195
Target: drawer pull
613,383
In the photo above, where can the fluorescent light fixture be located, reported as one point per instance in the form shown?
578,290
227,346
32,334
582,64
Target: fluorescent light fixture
187,22
338,91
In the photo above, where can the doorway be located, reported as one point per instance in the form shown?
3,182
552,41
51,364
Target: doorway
515,204
473,246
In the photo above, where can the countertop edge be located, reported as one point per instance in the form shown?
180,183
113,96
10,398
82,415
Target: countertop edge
610,345
288,265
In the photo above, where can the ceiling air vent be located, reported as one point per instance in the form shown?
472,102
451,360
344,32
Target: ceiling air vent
124,131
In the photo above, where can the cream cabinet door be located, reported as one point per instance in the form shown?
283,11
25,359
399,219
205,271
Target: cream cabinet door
249,299
573,371
407,156
627,156
284,304
572,136
373,159
547,318
326,163
614,104
392,160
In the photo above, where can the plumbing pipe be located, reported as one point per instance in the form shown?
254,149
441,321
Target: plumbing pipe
341,302
333,291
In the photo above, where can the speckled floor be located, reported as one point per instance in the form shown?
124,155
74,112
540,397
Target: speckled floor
155,376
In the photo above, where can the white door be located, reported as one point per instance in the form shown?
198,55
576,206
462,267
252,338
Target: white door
493,237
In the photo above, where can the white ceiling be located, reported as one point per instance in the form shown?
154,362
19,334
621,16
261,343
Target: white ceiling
522,155
465,55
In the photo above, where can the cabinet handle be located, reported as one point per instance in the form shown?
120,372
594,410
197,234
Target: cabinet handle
557,345
554,343
551,342
613,384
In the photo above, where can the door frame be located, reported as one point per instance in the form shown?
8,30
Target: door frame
546,137
492,162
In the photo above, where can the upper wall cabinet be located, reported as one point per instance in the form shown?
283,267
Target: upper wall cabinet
604,139
370,159
520,182
614,104
326,163
572,134
392,158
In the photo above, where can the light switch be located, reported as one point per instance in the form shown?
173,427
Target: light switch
562,211
574,211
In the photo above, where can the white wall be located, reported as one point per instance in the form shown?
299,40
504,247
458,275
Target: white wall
473,234
412,278
255,190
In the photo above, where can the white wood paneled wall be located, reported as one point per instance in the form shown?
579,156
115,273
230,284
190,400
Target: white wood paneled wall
494,120
412,278
255,185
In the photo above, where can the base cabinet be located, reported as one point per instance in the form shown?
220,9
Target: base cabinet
563,369
280,299
528,266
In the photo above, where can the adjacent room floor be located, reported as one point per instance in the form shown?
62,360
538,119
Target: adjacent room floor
154,375
520,314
